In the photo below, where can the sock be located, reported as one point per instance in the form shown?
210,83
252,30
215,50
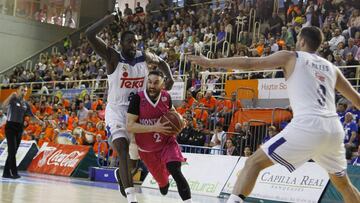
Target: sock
188,201
130,193
234,199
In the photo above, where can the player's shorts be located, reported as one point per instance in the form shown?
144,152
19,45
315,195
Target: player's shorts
156,161
115,119
312,137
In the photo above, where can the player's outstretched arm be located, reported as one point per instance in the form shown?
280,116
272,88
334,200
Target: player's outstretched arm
163,66
99,46
276,60
7,100
345,88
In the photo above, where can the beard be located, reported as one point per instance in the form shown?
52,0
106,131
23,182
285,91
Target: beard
129,54
153,94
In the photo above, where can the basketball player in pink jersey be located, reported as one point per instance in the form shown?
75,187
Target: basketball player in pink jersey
127,72
315,132
157,145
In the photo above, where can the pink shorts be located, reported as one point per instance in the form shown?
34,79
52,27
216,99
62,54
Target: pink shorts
156,161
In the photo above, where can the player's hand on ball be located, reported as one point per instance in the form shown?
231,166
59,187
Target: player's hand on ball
163,128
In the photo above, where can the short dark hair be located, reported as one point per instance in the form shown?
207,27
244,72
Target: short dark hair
313,37
219,125
157,72
21,86
127,32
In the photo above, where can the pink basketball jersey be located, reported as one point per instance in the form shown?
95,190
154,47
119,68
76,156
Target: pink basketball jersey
148,115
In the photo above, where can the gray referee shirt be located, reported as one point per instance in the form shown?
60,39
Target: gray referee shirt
17,110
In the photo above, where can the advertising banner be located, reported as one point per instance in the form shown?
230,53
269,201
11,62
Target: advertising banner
58,159
23,150
272,89
177,91
206,174
306,184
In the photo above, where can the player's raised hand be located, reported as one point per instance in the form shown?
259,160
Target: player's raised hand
163,128
200,60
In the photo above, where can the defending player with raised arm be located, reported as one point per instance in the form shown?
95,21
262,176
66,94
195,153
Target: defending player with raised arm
315,131
127,71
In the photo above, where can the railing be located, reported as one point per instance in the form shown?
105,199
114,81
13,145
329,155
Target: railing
97,87
201,149
355,81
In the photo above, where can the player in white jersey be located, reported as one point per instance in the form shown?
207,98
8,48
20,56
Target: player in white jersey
315,132
127,71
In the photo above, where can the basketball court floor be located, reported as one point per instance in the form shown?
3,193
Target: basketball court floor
39,188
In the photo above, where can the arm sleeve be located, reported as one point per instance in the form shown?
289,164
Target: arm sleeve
28,110
170,102
134,106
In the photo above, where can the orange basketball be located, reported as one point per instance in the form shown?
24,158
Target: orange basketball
175,121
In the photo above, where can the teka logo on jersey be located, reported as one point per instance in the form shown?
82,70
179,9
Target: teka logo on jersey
65,160
131,82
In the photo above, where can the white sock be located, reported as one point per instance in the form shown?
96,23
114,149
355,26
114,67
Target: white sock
234,199
130,193
188,201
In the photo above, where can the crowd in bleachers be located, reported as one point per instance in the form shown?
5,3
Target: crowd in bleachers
203,28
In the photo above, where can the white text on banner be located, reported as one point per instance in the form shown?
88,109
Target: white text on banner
306,184
272,89
177,91
206,174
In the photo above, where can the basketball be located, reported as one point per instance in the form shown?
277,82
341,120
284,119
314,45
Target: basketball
175,121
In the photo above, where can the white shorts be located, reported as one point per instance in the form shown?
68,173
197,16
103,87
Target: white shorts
115,119
311,137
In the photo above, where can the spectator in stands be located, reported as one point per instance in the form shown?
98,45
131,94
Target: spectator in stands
355,112
338,60
351,48
356,160
353,23
3,118
127,10
100,148
182,108
235,102
247,151
209,101
218,139
189,99
351,139
139,9
87,101
287,37
201,113
82,113
272,131
199,136
186,133
275,23
336,39
231,149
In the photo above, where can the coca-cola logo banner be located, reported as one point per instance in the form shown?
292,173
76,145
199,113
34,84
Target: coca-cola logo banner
58,159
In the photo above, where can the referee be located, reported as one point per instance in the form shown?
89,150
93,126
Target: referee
18,108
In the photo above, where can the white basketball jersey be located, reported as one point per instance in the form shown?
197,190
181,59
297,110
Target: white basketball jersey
311,87
128,78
